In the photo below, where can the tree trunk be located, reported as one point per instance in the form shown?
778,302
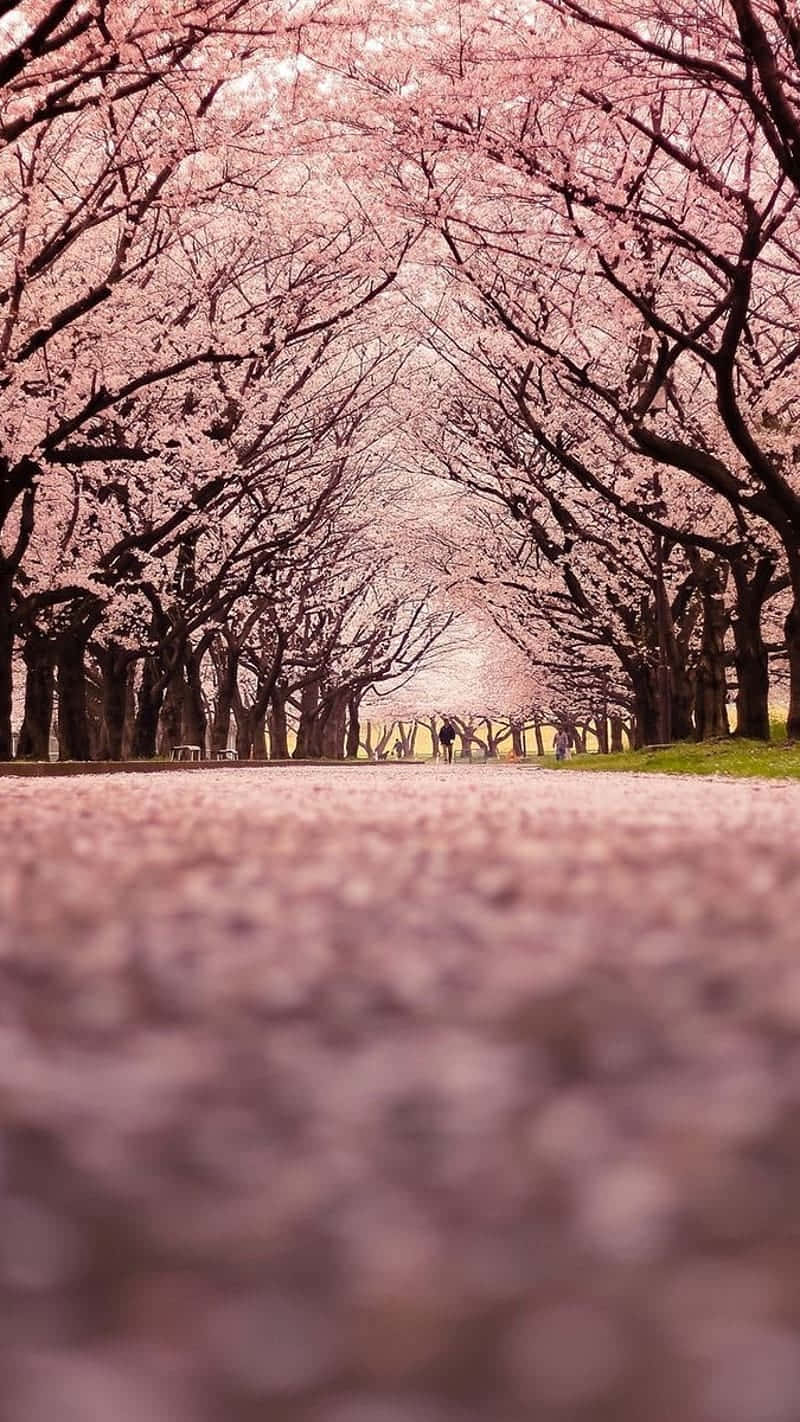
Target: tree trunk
645,702
353,728
94,712
710,708
6,663
750,653
73,720
616,733
680,686
466,738
682,696
129,719
308,712
34,736
260,737
115,670
278,727
601,725
493,739
332,728
518,739
245,732
151,695
315,738
792,631
384,734
407,736
221,722
170,729
752,678
194,722
537,731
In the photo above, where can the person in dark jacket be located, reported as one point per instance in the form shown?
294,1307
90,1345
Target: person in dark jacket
561,745
447,735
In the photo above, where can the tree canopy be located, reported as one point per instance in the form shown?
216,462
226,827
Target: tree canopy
332,337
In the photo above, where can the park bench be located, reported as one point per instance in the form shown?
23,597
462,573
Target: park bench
226,755
186,753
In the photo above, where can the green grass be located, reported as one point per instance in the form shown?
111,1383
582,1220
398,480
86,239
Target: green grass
729,757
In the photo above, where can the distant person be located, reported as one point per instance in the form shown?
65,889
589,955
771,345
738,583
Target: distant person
447,735
561,745
398,749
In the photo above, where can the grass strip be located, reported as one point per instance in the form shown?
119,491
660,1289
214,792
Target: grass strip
731,757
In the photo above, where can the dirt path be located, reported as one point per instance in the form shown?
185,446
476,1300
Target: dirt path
433,1096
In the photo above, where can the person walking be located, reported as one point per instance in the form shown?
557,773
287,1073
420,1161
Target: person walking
561,745
447,735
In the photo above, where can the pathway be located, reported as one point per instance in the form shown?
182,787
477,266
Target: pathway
465,1095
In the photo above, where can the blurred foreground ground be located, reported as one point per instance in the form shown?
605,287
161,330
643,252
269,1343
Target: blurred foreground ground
429,1095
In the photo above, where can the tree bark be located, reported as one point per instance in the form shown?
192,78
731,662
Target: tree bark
495,738
537,731
170,728
615,722
223,704
467,738
353,728
6,663
245,732
601,725
194,722
308,712
115,670
94,712
681,677
645,703
129,719
332,728
792,632
34,737
710,707
151,695
260,737
752,679
278,727
251,727
750,653
682,694
73,720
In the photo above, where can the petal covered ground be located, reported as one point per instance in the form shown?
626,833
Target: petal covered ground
399,1094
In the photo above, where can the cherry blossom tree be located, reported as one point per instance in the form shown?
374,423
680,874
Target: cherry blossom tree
159,248
239,239
623,210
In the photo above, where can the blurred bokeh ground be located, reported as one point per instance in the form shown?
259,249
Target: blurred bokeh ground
427,1095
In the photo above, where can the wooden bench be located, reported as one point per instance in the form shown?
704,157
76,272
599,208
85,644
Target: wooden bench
186,753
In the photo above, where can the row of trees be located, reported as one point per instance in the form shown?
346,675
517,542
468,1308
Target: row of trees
194,399
488,738
253,259
615,199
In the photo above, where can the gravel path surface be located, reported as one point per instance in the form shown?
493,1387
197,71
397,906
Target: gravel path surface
421,1095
